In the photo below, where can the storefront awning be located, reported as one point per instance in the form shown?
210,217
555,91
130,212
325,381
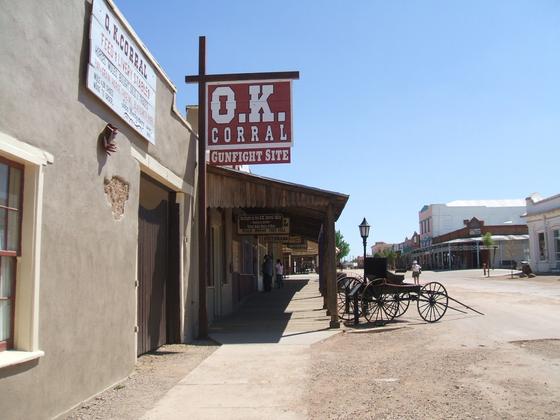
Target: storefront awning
305,206
479,239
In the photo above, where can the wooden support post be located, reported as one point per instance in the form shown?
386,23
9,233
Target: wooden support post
330,267
202,244
202,79
322,265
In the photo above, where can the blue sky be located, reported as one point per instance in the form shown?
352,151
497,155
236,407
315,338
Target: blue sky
399,103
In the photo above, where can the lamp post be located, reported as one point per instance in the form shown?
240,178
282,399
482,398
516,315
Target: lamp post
364,233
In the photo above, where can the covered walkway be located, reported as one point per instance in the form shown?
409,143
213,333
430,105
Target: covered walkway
262,368
281,315
304,213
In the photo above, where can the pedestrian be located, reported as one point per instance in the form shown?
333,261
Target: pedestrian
416,270
267,273
279,274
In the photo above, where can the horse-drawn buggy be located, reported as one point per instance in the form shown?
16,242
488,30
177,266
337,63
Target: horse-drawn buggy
382,296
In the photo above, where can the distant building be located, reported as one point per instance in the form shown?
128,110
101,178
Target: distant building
380,247
439,219
464,248
451,235
413,243
543,220
404,250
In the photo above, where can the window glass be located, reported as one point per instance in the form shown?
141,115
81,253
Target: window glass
11,181
3,214
4,169
6,294
5,315
13,230
15,188
542,248
6,276
556,234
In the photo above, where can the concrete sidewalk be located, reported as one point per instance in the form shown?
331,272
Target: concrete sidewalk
262,368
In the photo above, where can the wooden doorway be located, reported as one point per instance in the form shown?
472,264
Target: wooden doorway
158,266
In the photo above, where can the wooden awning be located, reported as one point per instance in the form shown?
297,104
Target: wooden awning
306,206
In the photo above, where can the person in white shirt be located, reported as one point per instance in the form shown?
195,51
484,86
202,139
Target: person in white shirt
279,274
416,270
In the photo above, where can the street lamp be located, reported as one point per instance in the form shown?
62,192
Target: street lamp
364,233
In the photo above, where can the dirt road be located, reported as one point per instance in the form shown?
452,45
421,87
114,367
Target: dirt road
505,364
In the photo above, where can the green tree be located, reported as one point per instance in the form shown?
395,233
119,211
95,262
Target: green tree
391,257
342,245
488,245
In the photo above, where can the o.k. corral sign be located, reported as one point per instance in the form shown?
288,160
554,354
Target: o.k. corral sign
249,122
119,73
244,118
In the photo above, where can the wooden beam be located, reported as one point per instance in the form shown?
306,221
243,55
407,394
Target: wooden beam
330,268
234,77
202,244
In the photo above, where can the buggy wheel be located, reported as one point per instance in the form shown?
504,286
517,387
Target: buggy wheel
343,286
378,308
432,301
403,301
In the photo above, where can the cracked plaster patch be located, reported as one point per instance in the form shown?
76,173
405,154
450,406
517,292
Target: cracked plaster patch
116,191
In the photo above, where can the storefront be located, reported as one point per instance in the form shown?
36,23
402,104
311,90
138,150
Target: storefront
100,173
236,255
465,248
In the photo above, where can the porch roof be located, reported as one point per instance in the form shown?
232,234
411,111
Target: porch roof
479,239
306,206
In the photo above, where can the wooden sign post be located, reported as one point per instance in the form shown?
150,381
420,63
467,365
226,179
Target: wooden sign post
203,80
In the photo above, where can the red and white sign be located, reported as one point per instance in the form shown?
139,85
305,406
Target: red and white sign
235,157
251,117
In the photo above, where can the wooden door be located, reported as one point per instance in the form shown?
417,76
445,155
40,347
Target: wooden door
153,267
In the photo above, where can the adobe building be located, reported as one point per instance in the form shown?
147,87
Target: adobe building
96,258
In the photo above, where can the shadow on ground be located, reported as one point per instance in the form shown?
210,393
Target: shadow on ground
263,317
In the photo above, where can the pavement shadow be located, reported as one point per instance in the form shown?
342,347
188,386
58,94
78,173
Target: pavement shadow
261,319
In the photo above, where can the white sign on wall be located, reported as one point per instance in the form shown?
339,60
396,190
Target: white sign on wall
119,73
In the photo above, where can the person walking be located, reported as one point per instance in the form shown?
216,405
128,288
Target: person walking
416,270
267,273
279,274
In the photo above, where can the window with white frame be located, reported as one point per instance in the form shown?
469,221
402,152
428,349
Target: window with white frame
21,197
11,183
556,236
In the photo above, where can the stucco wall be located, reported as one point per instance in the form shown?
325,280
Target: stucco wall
88,261
543,216
545,223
